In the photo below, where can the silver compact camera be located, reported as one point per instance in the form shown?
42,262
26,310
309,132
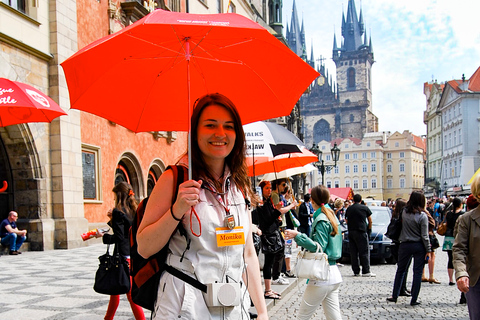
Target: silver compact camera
223,294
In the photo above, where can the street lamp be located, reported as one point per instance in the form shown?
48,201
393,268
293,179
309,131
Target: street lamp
445,188
320,164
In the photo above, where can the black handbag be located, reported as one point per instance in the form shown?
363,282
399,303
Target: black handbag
434,243
272,242
113,275
394,228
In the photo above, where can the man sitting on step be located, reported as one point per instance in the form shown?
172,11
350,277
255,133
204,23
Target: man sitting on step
11,236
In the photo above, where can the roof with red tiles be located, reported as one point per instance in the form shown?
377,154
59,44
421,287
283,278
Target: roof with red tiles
474,82
419,142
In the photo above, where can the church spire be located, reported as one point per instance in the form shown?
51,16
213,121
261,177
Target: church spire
360,22
352,29
311,62
295,34
335,48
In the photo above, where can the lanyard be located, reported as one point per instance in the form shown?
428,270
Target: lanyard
229,218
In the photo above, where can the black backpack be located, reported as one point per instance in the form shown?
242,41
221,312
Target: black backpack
146,273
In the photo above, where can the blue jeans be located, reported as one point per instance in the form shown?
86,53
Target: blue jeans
13,241
406,252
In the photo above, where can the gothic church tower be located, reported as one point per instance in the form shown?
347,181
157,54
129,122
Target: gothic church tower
343,109
354,60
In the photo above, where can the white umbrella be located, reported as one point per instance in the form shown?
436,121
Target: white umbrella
288,173
268,139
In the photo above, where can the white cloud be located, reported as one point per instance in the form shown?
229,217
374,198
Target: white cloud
414,41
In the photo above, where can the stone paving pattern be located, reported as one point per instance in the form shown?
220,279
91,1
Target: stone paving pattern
365,298
58,285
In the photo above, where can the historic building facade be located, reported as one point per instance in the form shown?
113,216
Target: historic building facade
460,114
433,120
342,108
381,165
60,174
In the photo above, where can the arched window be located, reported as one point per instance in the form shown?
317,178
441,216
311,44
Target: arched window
351,78
129,170
156,170
321,131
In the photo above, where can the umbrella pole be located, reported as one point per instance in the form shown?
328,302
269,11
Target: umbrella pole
253,162
187,48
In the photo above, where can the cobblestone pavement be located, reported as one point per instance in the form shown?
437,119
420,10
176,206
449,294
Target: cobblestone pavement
365,298
58,285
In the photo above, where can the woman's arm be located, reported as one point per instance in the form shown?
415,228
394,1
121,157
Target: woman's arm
321,236
158,222
253,280
424,231
118,228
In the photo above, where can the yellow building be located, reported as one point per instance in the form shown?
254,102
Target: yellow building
381,165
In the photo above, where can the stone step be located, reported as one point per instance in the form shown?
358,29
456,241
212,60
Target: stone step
25,247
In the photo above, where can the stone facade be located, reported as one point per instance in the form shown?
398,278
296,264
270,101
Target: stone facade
433,121
459,110
381,165
343,108
44,164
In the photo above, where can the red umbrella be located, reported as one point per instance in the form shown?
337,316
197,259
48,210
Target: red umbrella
146,76
279,163
21,103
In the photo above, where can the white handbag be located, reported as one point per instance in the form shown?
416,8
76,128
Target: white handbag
312,265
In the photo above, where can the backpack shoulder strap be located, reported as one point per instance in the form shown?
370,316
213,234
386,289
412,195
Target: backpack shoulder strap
180,175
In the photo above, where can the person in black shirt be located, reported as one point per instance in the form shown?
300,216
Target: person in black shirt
357,216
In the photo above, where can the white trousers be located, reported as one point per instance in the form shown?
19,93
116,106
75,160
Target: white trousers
315,295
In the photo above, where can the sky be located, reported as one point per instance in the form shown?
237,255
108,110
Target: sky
414,41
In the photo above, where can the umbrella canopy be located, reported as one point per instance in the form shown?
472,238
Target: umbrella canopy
263,165
146,76
268,139
288,172
21,103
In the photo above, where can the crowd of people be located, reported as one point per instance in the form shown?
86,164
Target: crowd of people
418,243
219,200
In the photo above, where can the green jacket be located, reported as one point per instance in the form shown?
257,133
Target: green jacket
321,233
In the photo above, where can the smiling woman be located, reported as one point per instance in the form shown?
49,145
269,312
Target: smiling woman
216,136
213,210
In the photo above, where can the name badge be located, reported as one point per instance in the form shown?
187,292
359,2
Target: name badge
230,237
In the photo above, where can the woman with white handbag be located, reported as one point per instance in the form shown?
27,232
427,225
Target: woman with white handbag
325,235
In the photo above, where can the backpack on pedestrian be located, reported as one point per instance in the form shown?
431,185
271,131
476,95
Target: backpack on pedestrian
146,273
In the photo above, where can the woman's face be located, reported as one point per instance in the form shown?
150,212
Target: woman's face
267,190
215,133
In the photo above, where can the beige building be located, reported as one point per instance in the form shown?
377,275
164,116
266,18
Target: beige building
404,165
381,165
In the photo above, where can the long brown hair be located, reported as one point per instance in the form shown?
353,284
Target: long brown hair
416,202
399,205
236,159
321,195
125,199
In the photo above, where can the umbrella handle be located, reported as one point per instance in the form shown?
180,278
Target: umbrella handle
5,186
